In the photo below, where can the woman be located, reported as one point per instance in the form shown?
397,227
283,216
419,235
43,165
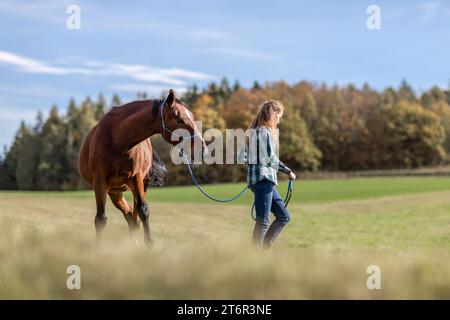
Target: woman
263,165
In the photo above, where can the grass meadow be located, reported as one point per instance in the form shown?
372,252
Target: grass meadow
202,249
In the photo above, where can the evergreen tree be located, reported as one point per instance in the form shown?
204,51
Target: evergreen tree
224,89
236,86
79,122
405,93
27,159
7,177
256,85
39,122
53,166
191,95
100,107
116,100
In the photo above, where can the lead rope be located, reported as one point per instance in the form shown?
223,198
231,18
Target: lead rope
186,161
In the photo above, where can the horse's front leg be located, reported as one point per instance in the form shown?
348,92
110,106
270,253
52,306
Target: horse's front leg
141,206
122,204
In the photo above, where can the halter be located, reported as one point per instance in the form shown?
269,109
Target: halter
165,128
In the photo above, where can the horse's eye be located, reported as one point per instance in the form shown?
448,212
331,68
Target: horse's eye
178,120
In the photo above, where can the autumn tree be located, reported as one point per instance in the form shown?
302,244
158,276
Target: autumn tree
413,136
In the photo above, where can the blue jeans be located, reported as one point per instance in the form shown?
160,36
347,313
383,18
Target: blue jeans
268,199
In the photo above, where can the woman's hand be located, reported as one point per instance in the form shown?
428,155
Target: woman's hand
292,176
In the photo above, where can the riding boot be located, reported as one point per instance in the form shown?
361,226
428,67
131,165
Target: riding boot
259,233
272,233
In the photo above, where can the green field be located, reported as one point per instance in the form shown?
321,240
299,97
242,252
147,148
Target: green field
202,249
305,191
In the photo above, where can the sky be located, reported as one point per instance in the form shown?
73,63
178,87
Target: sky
128,46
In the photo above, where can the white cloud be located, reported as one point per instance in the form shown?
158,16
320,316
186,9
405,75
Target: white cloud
148,74
176,72
35,66
172,76
150,89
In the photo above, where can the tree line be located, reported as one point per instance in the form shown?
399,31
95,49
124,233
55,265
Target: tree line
324,128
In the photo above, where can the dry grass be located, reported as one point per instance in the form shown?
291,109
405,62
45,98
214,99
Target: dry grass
202,251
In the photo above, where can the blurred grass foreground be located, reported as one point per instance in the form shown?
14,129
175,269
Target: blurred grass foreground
202,250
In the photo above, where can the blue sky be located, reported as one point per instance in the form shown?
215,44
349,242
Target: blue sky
126,46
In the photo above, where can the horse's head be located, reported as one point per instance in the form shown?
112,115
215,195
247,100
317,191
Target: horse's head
179,123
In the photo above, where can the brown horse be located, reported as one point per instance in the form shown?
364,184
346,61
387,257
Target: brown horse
117,155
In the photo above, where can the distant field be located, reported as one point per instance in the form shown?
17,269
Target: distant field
306,191
201,250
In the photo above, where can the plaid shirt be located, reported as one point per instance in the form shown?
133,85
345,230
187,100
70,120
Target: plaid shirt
260,155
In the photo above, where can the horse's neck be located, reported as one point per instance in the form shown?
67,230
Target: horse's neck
139,126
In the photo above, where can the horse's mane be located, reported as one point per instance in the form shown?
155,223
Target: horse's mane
132,107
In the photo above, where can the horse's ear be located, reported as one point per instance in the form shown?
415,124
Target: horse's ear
171,98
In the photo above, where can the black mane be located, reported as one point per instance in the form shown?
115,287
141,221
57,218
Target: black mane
155,106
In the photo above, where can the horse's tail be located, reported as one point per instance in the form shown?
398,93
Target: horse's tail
158,173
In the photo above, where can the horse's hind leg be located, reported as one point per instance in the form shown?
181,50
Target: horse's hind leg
100,199
122,204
